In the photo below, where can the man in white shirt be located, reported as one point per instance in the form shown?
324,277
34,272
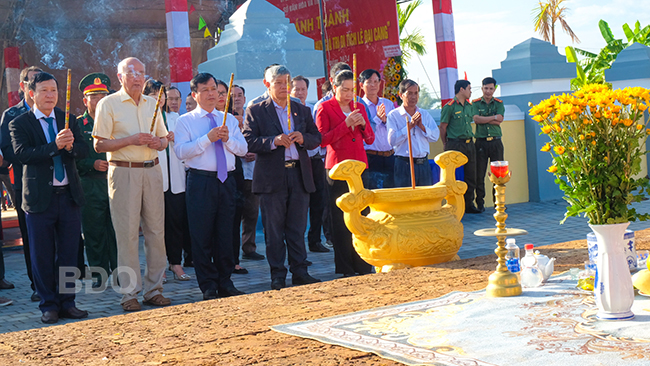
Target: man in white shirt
423,131
209,150
381,158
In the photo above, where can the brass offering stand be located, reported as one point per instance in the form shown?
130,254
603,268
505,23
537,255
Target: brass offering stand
502,282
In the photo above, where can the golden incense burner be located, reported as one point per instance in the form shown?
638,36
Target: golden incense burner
406,227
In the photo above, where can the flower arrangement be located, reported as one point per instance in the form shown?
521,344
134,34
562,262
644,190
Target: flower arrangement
597,139
393,73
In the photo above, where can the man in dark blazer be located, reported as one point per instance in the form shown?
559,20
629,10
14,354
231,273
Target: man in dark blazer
282,177
52,196
25,105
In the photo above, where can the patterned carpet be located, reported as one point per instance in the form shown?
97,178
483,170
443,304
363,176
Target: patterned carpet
551,325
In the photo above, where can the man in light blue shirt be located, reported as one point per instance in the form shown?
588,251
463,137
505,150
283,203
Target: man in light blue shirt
381,158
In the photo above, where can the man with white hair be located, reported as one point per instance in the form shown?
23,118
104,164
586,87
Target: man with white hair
122,130
282,177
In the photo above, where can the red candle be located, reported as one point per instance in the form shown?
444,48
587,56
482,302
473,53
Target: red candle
499,168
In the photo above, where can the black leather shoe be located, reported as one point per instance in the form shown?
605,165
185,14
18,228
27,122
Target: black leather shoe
318,248
303,280
308,262
472,210
240,271
254,256
4,285
480,208
278,283
50,317
230,291
35,297
73,313
210,295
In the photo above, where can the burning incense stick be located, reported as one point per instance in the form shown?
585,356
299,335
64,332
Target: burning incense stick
155,111
225,111
354,80
67,100
289,101
408,129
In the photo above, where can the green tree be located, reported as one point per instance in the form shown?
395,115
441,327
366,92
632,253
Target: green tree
591,68
427,101
413,42
546,15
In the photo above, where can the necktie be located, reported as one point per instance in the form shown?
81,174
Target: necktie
222,169
59,173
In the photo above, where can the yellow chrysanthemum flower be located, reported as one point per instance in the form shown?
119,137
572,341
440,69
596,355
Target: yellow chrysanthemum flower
559,150
546,148
552,169
546,129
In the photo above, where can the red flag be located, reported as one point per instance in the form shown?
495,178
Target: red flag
465,75
192,8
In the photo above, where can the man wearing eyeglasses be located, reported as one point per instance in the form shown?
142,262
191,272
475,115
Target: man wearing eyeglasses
122,131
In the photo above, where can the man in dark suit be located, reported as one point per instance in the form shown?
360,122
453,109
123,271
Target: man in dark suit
282,176
25,105
52,196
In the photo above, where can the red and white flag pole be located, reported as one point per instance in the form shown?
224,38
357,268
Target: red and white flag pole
178,44
443,20
12,70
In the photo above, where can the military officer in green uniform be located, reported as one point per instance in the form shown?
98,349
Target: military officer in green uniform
456,134
97,226
488,115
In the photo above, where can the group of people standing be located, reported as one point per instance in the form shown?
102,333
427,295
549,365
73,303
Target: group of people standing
195,183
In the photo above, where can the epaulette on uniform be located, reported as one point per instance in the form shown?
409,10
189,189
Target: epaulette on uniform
498,100
476,100
451,102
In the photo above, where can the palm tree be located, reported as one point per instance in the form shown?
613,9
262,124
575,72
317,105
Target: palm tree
413,42
591,69
546,15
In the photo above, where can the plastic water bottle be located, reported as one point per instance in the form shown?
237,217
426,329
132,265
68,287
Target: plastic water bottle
531,275
512,257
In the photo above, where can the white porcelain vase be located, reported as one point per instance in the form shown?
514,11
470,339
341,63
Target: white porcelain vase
613,288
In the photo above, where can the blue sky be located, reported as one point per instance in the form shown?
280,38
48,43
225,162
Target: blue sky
486,30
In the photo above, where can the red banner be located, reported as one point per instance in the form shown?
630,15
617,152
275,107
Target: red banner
366,27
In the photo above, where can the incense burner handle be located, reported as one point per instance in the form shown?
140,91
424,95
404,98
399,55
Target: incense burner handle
357,199
448,162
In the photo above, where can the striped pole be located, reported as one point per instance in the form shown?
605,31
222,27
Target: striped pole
443,21
12,70
178,44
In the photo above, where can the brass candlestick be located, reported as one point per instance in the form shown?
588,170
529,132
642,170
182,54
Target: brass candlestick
502,282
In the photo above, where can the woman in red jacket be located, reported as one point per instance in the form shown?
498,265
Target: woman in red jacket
344,130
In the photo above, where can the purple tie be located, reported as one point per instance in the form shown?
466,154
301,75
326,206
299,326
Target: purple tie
222,169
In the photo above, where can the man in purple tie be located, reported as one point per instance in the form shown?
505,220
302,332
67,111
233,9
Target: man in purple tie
208,148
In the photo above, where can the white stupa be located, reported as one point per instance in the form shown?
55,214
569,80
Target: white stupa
258,34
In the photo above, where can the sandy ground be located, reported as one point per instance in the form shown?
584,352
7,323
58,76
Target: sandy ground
235,331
